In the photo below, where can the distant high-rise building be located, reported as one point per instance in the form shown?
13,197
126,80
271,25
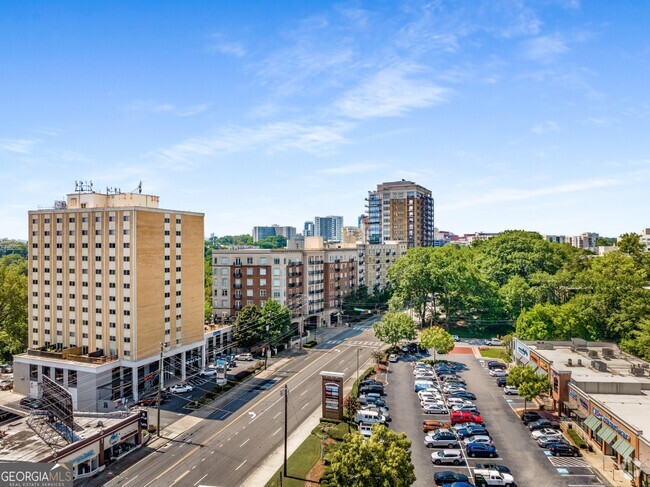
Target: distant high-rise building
260,233
329,227
645,239
401,211
351,235
286,231
309,229
586,240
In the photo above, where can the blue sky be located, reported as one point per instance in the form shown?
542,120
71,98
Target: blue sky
516,114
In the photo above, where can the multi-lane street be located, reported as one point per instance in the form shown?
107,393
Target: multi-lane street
237,437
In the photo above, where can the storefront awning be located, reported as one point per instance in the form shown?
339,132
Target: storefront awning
592,422
580,413
606,433
623,448
541,372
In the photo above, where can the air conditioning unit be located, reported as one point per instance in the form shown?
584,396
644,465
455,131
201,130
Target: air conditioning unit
599,365
593,354
569,363
579,362
637,370
607,352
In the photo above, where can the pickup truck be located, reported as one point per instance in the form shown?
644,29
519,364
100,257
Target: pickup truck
493,477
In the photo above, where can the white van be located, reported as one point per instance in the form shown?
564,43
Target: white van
365,430
369,417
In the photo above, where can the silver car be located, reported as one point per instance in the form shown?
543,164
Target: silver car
450,457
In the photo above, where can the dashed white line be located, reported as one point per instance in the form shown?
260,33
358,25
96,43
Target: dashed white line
244,443
203,459
304,392
278,430
277,415
199,481
180,477
125,483
240,465
306,404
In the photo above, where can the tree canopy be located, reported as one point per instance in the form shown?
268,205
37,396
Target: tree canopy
438,339
13,305
394,327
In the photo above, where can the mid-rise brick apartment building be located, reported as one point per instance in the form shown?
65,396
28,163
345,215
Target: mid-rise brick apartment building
311,282
112,277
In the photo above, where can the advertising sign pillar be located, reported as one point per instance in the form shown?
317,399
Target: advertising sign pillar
332,395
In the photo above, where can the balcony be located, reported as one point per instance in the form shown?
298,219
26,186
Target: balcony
73,353
337,287
337,269
237,274
237,286
291,284
351,268
377,261
237,263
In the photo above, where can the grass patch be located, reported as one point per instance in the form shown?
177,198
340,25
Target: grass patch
579,442
299,464
339,431
500,353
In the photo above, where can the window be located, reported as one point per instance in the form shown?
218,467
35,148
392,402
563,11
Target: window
224,271
249,282
224,260
262,282
224,292
262,293
224,303
276,261
224,282
249,272
178,221
249,292
276,282
126,218
249,260
262,260
276,272
262,272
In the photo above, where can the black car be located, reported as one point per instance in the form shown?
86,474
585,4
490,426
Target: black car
543,423
563,450
370,382
372,388
463,395
502,381
447,477
454,378
493,466
31,403
529,416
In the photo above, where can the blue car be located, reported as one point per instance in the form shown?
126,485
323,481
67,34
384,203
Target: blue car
472,430
458,484
481,450
463,395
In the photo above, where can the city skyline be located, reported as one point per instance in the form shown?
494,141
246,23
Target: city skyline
527,115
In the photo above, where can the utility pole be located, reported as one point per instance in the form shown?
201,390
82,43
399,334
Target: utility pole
358,366
160,372
268,347
286,408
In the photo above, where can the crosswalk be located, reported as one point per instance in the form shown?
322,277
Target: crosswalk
567,461
355,343
362,327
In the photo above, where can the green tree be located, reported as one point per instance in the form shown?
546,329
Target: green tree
351,405
630,244
394,327
384,460
278,319
13,247
249,327
438,339
638,341
530,384
411,280
13,305
273,242
605,241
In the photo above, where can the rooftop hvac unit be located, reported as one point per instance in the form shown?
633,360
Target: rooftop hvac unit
593,354
607,352
60,205
599,365
569,363
579,362
637,370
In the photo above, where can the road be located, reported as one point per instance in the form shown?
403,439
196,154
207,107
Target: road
235,439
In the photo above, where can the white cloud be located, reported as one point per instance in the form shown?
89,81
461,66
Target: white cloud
18,146
391,92
192,110
545,49
352,169
545,127
151,107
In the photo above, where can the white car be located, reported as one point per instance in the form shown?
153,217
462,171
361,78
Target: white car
546,432
179,389
429,395
432,402
494,341
498,373
365,430
478,439
392,357
454,457
452,389
245,357
456,401
430,408
208,372
469,408
511,390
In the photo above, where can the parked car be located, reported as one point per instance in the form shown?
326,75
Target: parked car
448,477
502,381
456,338
208,372
449,389
494,341
6,384
6,368
431,408
369,382
493,466
484,478
421,385
373,388
563,450
149,401
392,357
478,439
452,378
511,390
441,439
499,373
244,357
496,364
465,407
429,394
365,430
463,395
471,430
369,417
543,423
481,450
448,457
433,424
181,388
374,399
530,416
31,403
453,401
465,417
545,432
379,410
546,441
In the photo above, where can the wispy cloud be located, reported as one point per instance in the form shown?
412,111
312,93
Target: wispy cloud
510,194
231,48
193,110
169,108
545,49
545,127
271,138
18,146
391,92
352,169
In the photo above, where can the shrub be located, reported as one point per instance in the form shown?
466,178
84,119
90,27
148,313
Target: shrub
579,442
339,431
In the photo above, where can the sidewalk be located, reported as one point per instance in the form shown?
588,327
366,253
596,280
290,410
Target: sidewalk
605,468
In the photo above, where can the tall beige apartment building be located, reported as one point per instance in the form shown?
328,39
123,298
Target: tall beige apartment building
112,277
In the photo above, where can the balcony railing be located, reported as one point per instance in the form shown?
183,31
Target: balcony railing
237,286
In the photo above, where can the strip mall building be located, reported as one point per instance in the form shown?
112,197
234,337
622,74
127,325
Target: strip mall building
604,391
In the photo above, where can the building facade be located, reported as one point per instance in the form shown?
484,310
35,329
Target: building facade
112,277
260,233
351,235
329,227
401,211
308,230
377,259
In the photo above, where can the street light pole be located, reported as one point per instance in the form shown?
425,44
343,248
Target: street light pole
268,346
286,403
358,365
160,372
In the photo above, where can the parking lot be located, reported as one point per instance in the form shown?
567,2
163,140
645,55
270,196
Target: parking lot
529,464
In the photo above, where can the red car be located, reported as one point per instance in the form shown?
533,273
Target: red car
465,417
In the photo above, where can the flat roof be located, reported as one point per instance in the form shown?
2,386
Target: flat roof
23,444
631,408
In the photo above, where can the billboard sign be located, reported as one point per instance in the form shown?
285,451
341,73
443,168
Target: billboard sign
332,394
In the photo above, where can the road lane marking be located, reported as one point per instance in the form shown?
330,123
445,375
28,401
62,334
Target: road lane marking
279,429
306,404
178,478
240,465
212,452
244,443
199,481
304,392
277,415
125,483
203,459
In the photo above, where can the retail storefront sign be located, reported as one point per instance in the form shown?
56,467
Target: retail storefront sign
611,424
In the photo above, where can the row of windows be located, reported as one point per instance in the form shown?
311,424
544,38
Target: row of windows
111,285
250,271
84,245
178,221
84,219
98,297
84,233
84,258
59,270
